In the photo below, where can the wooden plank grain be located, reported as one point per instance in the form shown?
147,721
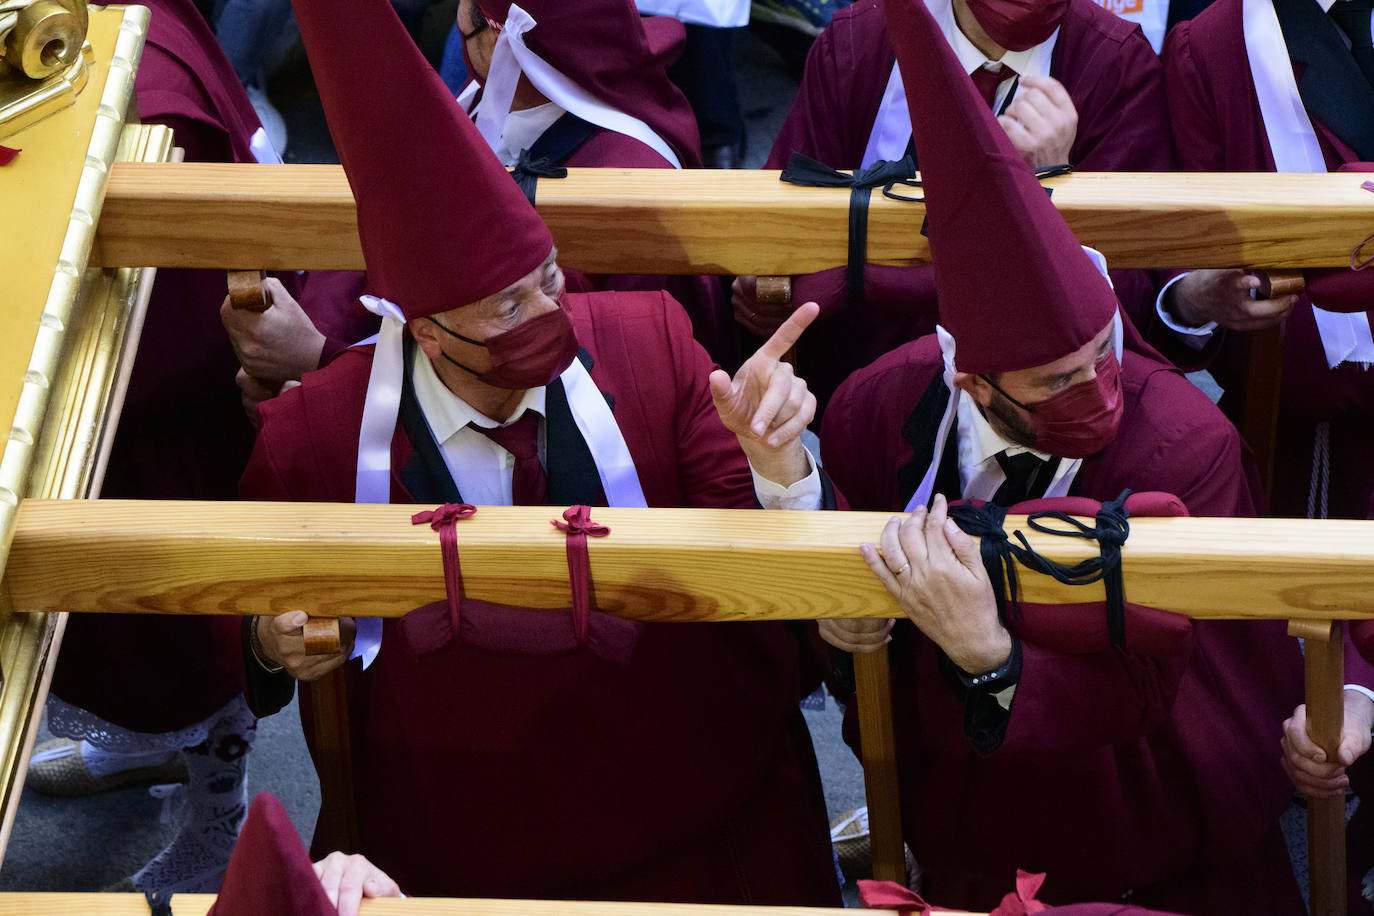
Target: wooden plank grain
1324,689
657,564
723,222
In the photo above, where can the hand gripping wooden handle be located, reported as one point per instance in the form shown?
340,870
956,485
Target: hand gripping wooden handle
773,291
322,636
1275,283
246,292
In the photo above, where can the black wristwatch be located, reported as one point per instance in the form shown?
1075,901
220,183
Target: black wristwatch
996,680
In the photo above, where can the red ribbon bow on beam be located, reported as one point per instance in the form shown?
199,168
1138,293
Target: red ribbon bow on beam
578,525
445,520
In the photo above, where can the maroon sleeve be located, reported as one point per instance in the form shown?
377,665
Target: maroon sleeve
331,300
827,122
1359,639
1192,107
842,452
264,479
1123,119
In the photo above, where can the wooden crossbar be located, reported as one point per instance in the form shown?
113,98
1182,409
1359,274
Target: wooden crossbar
718,222
657,564
670,565
71,904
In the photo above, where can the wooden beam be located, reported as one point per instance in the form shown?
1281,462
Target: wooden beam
878,744
658,564
70,904
720,222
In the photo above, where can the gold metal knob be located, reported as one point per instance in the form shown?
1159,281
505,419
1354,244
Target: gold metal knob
47,38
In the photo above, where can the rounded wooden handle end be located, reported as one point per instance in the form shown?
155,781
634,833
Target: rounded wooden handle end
322,636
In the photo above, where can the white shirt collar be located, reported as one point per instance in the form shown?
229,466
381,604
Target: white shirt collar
523,129
447,413
1326,5
970,58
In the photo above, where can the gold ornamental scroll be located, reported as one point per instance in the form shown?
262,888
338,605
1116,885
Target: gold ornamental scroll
67,336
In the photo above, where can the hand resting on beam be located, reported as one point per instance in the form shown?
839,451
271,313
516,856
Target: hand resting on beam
348,879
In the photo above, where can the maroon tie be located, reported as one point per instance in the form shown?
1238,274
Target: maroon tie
986,81
529,487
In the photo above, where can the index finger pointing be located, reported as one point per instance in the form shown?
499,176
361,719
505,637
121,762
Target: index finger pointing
786,336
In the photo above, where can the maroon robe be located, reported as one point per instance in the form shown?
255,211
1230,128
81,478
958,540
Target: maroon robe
183,433
1109,70
489,767
1119,773
1218,127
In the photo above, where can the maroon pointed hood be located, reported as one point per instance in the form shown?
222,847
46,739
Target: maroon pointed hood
1016,290
619,58
441,222
270,871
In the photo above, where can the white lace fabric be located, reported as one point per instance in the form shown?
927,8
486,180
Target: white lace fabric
68,721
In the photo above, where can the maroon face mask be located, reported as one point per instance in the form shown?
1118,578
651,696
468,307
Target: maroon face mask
1018,24
1082,419
528,356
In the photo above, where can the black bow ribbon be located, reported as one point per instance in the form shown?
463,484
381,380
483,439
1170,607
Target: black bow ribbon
528,170
812,173
1000,555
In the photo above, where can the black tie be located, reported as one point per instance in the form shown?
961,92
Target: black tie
1028,477
1353,18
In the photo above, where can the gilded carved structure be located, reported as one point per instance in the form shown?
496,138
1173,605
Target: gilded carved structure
44,58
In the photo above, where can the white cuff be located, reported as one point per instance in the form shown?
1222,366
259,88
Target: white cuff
1194,337
804,494
1358,689
367,640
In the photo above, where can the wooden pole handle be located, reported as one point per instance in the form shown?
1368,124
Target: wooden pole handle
1275,283
246,292
773,291
1324,658
322,636
878,745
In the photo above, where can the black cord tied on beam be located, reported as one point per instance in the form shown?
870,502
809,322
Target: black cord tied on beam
812,173
159,902
1001,555
528,170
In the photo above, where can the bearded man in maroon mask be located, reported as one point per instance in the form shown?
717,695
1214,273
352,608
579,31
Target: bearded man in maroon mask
500,752
1071,84
1123,772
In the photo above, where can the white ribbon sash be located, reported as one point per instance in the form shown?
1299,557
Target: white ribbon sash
1293,143
382,406
591,413
512,57
720,14
892,126
262,149
1068,468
